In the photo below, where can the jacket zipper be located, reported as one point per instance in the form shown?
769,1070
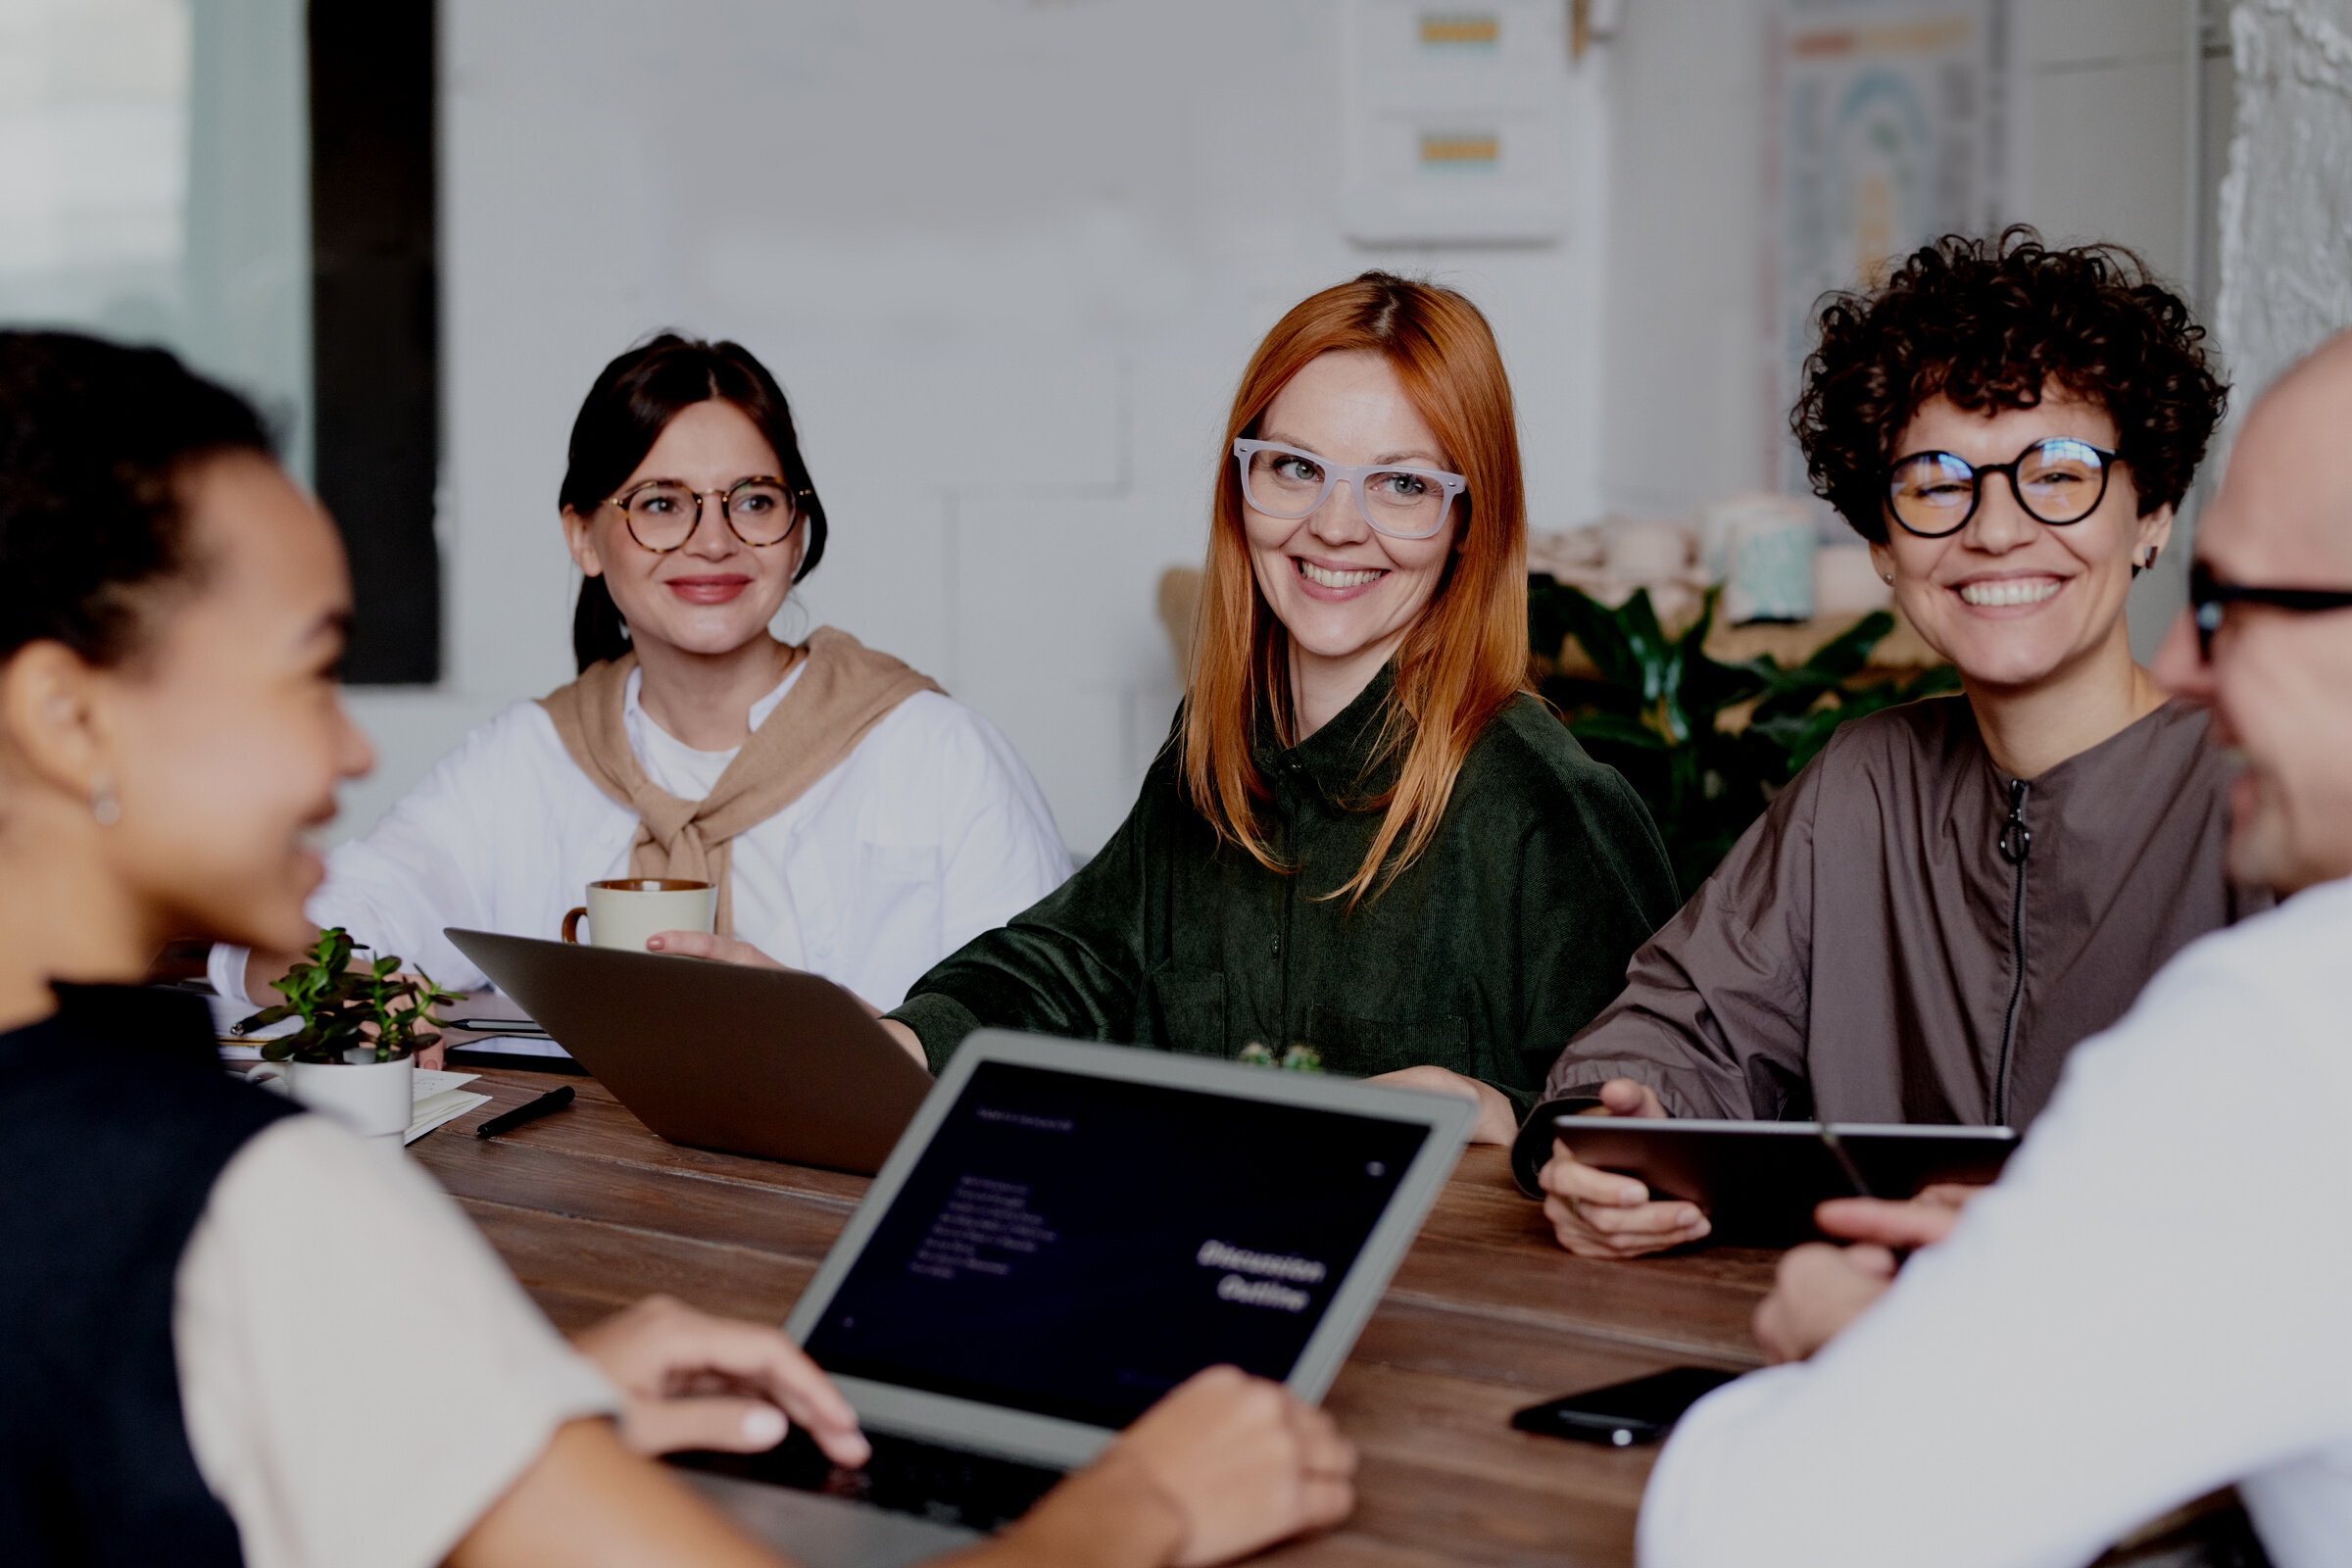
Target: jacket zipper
2016,843
1284,944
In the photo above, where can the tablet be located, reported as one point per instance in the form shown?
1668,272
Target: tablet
1758,1180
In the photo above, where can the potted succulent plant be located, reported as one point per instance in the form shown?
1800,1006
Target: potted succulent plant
355,1056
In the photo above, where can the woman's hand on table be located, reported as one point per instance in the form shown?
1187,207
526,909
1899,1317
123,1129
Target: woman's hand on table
694,1381
1225,1465
1598,1214
1498,1119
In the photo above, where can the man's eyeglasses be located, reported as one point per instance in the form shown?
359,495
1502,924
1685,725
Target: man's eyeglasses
2209,598
661,513
1402,502
2058,481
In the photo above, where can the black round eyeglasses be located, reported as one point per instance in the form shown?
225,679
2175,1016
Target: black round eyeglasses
2057,481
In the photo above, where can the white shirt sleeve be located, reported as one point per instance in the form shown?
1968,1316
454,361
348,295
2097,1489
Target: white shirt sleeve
932,832
2149,1304
1002,849
361,1375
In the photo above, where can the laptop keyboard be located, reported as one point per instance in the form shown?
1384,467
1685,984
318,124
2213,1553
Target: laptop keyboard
928,1480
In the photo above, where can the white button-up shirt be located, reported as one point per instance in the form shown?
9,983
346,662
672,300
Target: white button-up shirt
927,834
2150,1304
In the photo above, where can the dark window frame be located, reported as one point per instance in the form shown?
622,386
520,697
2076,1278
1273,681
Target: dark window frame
375,323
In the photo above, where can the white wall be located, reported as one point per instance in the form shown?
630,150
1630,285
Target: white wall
1008,260
2102,149
1007,257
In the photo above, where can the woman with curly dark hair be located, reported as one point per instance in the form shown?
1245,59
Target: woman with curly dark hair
1956,892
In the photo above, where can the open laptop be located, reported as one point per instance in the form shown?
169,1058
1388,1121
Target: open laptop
1065,1233
771,1062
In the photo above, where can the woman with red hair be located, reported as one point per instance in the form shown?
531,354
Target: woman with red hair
1364,837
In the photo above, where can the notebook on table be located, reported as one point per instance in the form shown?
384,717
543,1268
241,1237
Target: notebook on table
1066,1232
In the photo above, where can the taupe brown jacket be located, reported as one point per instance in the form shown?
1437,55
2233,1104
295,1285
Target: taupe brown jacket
1911,935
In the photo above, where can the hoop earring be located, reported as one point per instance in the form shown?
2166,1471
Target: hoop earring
103,805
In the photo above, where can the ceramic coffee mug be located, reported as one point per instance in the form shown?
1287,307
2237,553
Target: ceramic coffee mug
375,1098
622,913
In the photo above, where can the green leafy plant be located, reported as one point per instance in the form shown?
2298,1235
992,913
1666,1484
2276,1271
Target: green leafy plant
1706,745
1298,1059
343,1009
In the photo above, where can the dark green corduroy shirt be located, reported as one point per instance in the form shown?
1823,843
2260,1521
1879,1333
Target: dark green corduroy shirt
1507,935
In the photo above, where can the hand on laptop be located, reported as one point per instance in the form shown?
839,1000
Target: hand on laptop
1597,1213
1498,1119
694,1381
1820,1288
702,944
1222,1467
726,950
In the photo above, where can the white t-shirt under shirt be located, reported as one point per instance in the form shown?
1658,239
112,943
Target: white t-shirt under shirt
2154,1300
928,833
762,901
359,1375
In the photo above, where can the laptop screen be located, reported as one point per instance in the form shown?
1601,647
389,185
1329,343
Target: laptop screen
1077,1247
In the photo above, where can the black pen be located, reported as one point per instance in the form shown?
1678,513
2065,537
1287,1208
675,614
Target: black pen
508,1121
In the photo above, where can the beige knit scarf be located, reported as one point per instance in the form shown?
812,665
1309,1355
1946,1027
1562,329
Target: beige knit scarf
845,690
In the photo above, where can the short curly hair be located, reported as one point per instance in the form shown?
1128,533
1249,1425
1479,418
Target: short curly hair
1990,324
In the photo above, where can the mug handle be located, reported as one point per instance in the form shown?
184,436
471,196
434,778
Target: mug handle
275,1076
571,925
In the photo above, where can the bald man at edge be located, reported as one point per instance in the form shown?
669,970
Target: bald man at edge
2156,1298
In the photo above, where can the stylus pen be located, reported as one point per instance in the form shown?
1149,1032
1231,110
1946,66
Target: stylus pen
508,1121
1846,1162
1853,1174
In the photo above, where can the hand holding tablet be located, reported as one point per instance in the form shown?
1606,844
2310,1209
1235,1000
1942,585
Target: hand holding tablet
1598,1214
1757,1183
1624,1180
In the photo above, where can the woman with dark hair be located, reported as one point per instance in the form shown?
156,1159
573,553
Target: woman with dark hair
230,1332
857,823
1954,892
1365,837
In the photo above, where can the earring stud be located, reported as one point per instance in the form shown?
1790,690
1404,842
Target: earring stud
103,805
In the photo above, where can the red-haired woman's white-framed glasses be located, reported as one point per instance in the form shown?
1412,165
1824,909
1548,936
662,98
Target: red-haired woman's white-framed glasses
1404,503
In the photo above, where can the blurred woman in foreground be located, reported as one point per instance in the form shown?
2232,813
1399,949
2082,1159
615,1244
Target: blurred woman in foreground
209,1301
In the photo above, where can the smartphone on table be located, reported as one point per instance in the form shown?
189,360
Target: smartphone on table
1624,1413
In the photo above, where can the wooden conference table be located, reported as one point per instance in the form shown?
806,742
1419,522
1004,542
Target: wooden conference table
1486,1315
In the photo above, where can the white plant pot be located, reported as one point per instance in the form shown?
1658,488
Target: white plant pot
375,1100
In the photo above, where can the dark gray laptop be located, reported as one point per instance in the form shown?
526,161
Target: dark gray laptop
1065,1233
771,1062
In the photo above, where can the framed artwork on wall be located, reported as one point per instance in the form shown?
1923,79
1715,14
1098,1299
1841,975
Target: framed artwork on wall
1889,125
